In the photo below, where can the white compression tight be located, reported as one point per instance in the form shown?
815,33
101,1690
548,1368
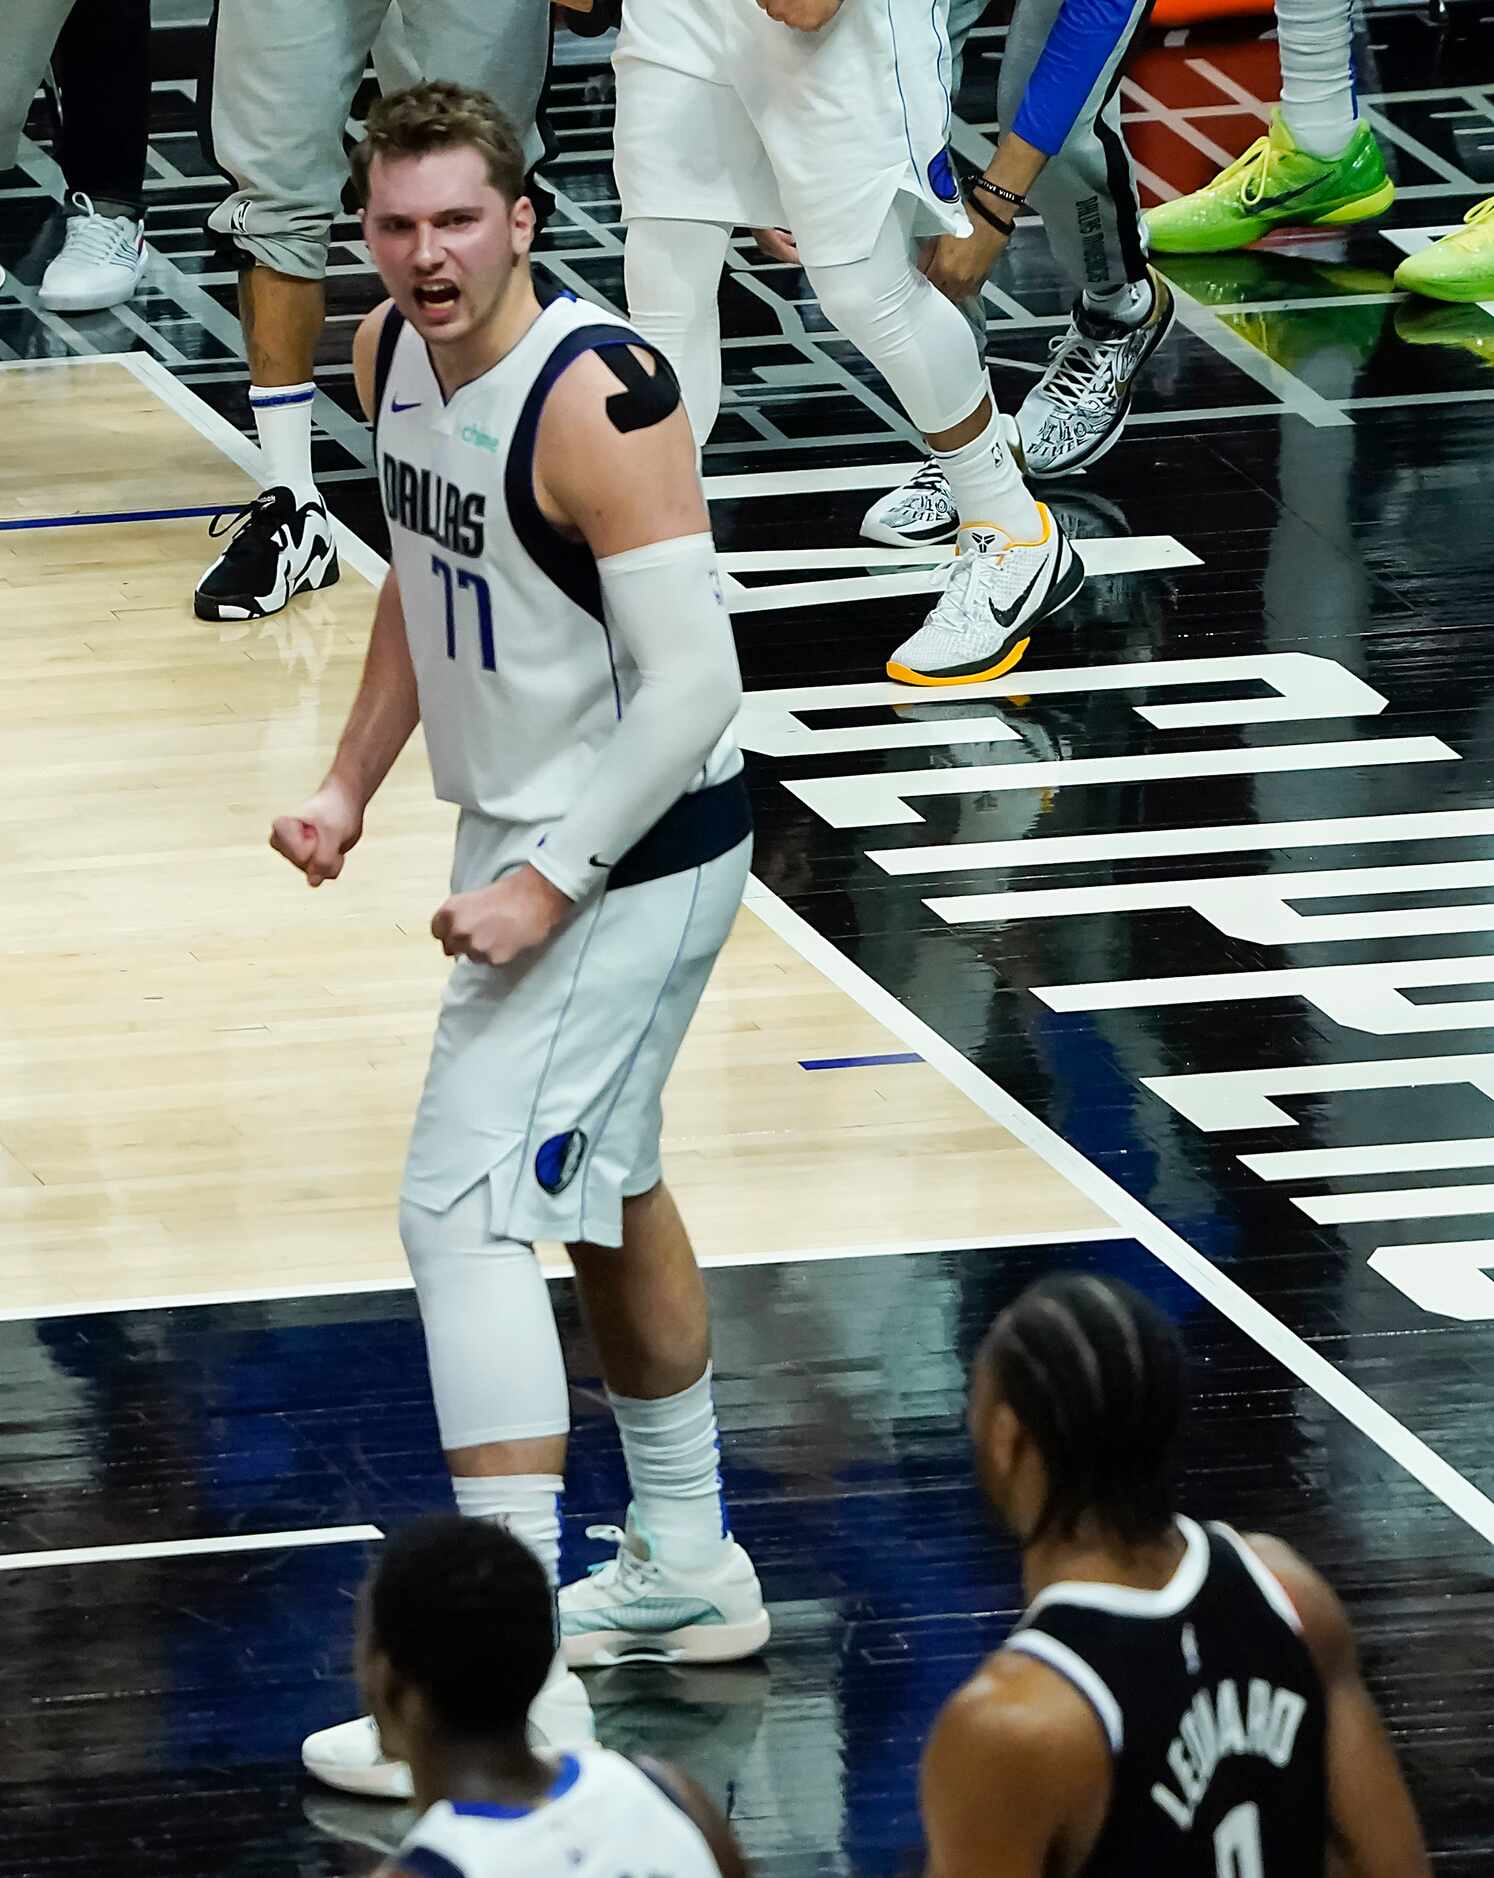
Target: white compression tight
672,274
918,340
497,1373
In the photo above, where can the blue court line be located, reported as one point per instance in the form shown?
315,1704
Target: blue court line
861,1062
122,515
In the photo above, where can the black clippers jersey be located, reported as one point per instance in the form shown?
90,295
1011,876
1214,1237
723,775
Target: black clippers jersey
1213,1710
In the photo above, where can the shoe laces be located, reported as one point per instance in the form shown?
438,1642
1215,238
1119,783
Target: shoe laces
624,1564
247,522
1077,362
953,581
91,236
1250,165
1480,212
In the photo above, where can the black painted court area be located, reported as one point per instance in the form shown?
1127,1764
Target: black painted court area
1323,449
154,1707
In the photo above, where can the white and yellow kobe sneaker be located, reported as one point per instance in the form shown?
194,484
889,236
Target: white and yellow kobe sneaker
996,591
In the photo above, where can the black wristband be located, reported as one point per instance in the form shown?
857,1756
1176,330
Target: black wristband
1002,227
995,189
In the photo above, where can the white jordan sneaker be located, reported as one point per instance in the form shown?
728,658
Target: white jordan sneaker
997,590
922,511
102,259
351,1757
637,1606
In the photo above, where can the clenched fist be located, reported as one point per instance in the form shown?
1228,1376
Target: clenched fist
493,925
805,16
320,833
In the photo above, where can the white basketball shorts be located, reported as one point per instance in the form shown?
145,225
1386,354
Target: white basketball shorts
724,115
546,1076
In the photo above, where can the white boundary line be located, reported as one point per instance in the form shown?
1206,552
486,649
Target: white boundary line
721,1261
1460,1496
188,1548
1409,1451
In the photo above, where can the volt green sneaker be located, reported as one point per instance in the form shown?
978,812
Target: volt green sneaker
1272,184
1458,267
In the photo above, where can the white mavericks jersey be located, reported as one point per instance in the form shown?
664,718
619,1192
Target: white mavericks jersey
521,682
604,1818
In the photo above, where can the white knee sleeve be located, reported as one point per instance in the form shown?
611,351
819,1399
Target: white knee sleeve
496,1369
672,275
918,340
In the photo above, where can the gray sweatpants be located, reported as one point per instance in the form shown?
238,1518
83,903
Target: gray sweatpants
1086,195
284,76
26,41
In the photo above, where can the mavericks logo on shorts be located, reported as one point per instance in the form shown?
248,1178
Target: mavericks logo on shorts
942,179
559,1159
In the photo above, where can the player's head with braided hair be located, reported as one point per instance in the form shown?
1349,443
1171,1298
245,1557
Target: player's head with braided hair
456,1636
1075,1406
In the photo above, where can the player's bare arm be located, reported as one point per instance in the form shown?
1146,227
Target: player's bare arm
316,836
1372,1823
805,16
615,467
1016,1777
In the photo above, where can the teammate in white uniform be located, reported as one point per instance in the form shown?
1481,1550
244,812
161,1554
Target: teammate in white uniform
831,117
454,1641
554,619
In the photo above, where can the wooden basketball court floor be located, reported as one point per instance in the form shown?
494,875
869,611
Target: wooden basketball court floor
1036,975
212,1069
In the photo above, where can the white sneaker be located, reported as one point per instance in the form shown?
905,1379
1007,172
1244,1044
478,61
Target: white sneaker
996,592
351,1756
1078,408
279,547
102,259
922,511
637,1606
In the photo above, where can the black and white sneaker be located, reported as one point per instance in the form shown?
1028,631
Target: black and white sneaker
279,548
1078,408
921,512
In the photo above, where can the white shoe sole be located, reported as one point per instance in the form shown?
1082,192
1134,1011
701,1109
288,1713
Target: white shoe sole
696,1643
87,303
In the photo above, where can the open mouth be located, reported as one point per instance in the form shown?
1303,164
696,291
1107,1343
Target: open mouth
435,295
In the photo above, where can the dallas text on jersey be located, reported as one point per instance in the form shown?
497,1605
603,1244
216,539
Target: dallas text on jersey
1216,1725
427,504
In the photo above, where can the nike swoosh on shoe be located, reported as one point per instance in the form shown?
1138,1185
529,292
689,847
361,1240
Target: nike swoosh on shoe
1286,195
1007,617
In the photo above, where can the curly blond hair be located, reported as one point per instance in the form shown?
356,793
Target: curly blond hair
440,115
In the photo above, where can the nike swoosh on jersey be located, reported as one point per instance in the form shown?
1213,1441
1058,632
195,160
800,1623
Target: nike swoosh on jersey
414,405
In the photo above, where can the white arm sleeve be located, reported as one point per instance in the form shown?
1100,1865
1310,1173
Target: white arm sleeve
664,604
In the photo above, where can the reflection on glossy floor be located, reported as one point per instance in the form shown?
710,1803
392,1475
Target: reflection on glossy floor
1204,888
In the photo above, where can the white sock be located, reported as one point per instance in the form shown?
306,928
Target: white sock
1317,74
527,1504
987,486
282,416
674,1470
1130,304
